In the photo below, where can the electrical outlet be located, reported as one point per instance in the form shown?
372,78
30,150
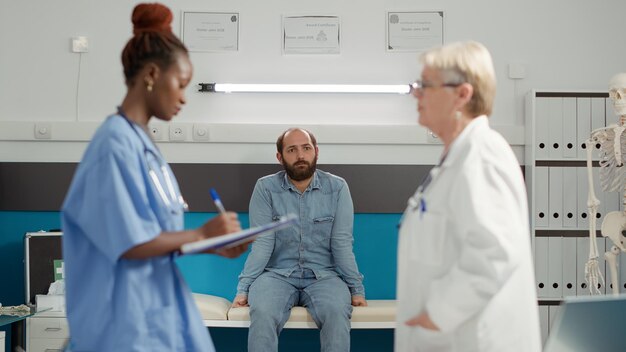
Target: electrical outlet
158,131
43,130
432,138
517,70
80,45
178,132
201,132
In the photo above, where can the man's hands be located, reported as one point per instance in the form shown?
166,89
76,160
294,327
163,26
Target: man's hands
359,301
240,300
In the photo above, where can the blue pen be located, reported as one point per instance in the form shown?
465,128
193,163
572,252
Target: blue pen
217,201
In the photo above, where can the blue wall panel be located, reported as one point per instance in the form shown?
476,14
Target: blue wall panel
13,226
375,249
375,237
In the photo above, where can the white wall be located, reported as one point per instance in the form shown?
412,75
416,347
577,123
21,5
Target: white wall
563,44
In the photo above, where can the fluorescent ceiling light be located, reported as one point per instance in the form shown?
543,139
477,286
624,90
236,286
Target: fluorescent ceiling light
304,88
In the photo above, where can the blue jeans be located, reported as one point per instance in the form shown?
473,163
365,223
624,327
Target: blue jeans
271,297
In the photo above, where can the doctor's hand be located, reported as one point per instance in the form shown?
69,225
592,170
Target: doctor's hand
359,301
240,300
220,225
422,320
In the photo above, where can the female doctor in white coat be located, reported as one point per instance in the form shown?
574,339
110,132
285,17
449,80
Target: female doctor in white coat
465,274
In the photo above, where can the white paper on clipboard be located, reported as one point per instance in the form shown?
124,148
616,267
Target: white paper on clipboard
237,238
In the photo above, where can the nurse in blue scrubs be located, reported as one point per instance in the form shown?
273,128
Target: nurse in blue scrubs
123,216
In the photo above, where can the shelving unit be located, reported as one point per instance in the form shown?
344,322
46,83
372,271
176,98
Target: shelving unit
557,125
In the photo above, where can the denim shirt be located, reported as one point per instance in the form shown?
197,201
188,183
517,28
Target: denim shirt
322,242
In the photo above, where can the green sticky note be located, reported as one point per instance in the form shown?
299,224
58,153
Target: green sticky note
59,270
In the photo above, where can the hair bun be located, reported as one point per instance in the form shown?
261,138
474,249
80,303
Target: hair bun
152,17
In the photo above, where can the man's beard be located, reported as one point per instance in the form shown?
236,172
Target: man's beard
298,174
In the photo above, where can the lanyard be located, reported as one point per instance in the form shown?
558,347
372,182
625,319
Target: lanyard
417,201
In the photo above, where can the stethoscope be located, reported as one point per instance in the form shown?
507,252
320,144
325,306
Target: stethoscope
417,201
171,198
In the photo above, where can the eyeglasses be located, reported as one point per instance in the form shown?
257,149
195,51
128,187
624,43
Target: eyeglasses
418,86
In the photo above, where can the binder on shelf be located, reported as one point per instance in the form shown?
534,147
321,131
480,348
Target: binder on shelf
570,197
542,116
597,114
583,193
582,255
609,113
552,313
570,147
600,195
569,282
555,200
544,323
583,124
541,197
555,126
541,266
555,267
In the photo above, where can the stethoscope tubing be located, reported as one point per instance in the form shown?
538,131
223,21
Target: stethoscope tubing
173,197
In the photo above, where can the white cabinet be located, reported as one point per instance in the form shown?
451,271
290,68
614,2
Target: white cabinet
46,345
557,125
46,333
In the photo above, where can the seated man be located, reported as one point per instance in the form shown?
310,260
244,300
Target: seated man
310,265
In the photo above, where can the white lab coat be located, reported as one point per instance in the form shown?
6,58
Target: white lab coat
464,253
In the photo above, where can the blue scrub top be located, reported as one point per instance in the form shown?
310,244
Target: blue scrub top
117,304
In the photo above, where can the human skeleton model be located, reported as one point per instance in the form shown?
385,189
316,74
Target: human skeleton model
612,142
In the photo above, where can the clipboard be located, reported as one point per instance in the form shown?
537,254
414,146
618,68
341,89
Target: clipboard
237,238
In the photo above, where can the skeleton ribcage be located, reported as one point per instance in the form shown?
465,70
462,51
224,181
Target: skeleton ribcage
612,175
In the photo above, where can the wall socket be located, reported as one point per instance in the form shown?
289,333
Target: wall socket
201,132
80,45
178,132
43,130
158,131
517,70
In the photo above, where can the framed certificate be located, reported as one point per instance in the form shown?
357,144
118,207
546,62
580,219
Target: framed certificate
311,35
210,31
414,31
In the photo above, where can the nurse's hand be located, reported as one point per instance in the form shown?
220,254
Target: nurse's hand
240,300
221,225
422,320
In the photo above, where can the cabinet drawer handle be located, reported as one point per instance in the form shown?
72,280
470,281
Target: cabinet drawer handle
53,329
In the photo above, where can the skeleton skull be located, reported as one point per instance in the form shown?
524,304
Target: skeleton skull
617,92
